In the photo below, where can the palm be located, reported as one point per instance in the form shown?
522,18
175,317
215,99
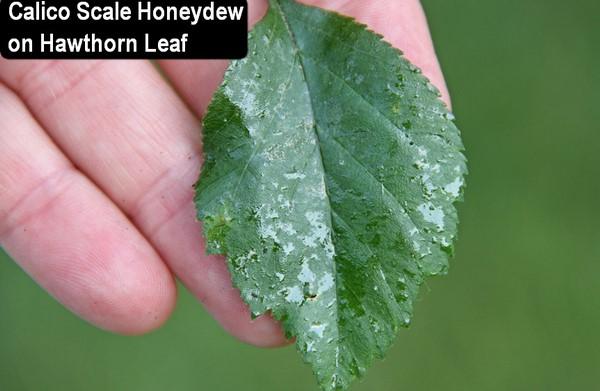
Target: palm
98,161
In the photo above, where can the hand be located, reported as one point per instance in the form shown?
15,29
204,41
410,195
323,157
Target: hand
97,163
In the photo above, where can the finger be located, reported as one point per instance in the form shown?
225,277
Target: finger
401,22
70,238
125,128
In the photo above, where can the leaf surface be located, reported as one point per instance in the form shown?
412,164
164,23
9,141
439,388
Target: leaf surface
331,169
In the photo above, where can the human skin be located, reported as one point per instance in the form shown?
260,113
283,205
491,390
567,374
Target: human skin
97,162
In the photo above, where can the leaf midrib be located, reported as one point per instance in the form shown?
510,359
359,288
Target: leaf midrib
297,53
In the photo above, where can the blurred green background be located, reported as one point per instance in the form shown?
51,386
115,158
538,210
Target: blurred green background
520,309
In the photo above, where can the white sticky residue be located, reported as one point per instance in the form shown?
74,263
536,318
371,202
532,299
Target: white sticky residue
288,248
319,232
271,214
318,329
453,188
329,249
444,242
287,228
325,283
249,103
416,245
429,186
294,295
243,259
306,275
318,190
431,214
280,276
285,203
295,175
267,231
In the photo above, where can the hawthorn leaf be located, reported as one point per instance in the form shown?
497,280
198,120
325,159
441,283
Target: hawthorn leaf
331,170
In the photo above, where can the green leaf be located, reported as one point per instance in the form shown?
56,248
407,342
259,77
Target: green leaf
331,171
